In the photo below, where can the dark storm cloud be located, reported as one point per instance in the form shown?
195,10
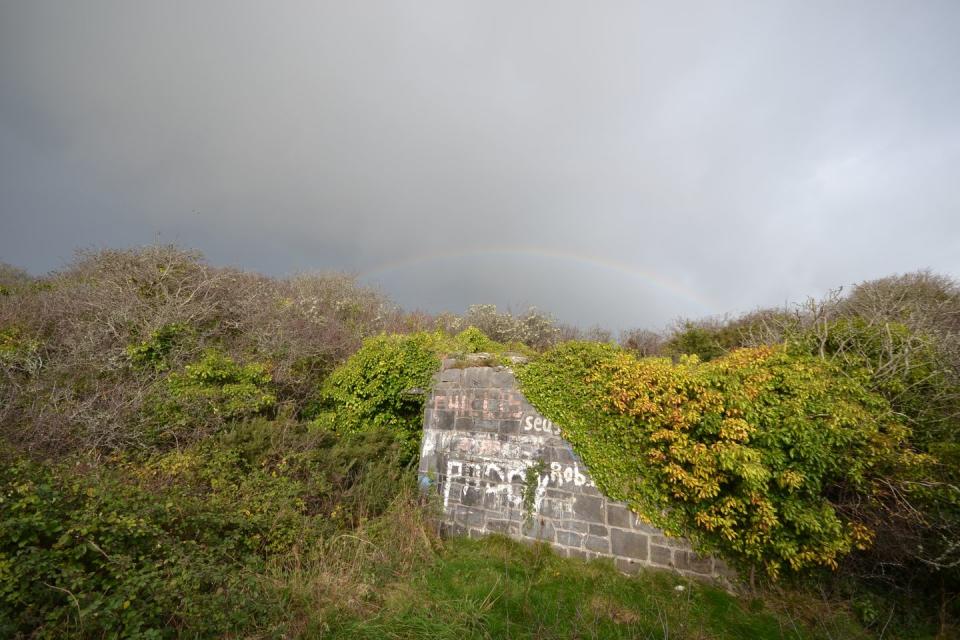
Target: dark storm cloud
619,163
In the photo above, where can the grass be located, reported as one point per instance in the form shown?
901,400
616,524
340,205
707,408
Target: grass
498,588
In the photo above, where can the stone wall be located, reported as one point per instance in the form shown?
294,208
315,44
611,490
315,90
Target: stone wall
499,466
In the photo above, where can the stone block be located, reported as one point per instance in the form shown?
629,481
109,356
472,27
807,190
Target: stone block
691,561
451,376
450,529
627,566
600,544
670,541
589,489
540,529
640,525
589,508
577,553
599,530
454,493
442,420
477,377
502,526
721,569
482,425
629,544
618,515
555,509
427,463
661,556
509,427
503,379
576,525
561,454
493,500
471,517
471,496
569,538
463,423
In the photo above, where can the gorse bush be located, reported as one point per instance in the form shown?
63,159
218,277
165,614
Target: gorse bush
757,455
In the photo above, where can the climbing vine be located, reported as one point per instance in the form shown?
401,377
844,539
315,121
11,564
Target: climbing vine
758,455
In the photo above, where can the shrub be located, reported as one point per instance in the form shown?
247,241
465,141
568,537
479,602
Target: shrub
154,352
177,545
98,338
756,455
532,328
208,393
473,340
383,385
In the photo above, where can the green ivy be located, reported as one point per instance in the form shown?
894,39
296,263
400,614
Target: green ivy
758,455
383,385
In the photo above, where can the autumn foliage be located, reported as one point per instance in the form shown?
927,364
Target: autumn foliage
754,455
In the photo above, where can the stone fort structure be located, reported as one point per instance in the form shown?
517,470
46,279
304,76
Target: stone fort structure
498,466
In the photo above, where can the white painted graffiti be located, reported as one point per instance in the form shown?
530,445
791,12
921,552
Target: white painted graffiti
509,480
533,422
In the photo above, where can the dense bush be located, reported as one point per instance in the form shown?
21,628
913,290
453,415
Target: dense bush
532,328
85,350
383,385
176,544
755,455
204,396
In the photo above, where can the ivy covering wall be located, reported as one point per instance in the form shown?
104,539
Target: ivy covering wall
760,455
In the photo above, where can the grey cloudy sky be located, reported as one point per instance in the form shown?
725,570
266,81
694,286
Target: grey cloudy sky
620,163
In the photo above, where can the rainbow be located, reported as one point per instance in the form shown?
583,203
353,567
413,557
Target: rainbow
651,278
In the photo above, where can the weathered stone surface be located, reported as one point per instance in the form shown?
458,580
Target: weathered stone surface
503,526
498,466
670,541
618,515
629,544
569,538
443,420
540,529
575,525
600,544
509,427
662,556
451,375
589,508
628,566
690,561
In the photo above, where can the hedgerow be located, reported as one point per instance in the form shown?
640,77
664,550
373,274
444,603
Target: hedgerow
753,455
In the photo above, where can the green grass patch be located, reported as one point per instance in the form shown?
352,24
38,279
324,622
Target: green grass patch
499,588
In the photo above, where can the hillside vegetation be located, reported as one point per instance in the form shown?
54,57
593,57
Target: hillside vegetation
195,451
